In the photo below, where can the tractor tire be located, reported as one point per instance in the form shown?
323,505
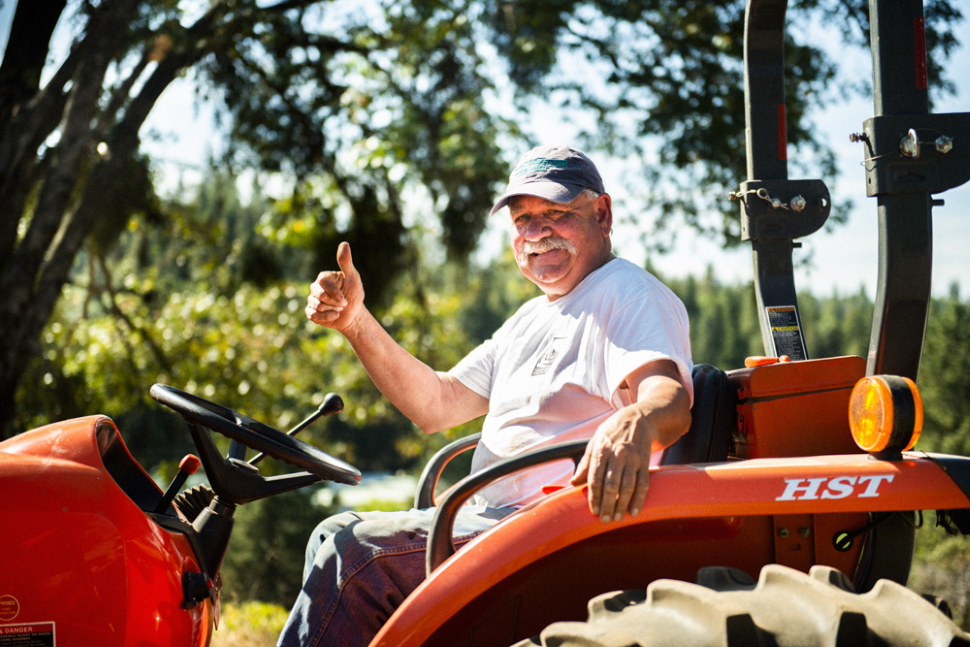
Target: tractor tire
784,608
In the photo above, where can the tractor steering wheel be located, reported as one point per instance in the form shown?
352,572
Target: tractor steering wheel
256,435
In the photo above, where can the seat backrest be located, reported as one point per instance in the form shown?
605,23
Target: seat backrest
714,418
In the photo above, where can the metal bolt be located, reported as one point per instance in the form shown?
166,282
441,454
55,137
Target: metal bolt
783,532
804,532
798,203
909,145
944,144
857,137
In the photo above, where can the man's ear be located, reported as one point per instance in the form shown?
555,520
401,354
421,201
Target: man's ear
604,212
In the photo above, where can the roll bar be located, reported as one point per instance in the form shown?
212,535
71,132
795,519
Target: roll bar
909,156
774,209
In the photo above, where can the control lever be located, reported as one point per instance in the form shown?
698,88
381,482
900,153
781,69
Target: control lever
188,466
332,403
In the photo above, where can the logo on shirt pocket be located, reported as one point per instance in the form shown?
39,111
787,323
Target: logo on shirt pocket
548,358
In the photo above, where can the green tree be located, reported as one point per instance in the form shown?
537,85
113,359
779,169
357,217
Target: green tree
944,378
942,560
302,84
191,318
266,553
725,325
361,105
723,322
836,325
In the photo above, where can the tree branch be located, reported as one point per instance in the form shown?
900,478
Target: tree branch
56,192
26,54
115,309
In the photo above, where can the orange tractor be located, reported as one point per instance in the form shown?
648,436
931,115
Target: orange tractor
785,516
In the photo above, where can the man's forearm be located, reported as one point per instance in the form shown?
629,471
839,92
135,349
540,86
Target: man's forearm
664,406
617,461
431,400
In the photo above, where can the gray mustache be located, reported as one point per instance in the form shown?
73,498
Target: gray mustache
548,245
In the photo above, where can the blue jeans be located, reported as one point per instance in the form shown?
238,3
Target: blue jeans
359,568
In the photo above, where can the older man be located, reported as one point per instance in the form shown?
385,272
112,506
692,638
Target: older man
603,354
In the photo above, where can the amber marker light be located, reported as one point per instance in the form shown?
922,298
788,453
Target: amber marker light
885,414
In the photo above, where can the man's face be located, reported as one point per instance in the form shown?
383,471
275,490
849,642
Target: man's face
557,245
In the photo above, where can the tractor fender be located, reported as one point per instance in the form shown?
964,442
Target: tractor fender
498,568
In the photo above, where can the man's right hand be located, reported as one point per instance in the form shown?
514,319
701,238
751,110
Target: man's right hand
336,298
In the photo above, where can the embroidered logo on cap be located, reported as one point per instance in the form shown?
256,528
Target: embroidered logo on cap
539,165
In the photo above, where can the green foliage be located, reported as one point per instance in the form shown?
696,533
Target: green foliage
837,325
384,121
266,552
192,319
254,352
491,295
942,566
659,82
723,322
249,624
944,378
365,104
385,505
725,325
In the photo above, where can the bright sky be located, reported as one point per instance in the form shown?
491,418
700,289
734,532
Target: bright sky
843,261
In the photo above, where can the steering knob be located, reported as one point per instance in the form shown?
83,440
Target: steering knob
332,403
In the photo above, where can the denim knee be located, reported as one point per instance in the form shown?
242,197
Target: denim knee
326,528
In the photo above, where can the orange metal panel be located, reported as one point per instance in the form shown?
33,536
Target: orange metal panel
81,555
797,408
695,515
794,545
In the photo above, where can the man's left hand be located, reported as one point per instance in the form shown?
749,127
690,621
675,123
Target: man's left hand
616,465
617,461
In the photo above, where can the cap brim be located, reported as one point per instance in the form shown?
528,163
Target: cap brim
552,191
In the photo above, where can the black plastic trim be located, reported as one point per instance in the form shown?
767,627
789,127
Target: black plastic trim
138,486
956,467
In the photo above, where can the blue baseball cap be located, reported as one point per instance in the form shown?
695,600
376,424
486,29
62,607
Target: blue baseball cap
555,173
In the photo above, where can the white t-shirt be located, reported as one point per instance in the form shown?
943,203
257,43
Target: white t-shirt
552,372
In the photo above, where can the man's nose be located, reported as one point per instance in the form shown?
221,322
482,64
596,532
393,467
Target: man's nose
537,229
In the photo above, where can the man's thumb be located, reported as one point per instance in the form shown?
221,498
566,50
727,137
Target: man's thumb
345,259
582,471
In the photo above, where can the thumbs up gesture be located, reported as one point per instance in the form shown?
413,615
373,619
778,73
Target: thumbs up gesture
336,298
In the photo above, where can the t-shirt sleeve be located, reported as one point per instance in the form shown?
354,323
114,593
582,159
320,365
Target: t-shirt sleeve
476,368
646,330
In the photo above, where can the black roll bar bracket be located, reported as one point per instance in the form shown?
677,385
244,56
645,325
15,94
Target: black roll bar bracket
926,153
783,209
